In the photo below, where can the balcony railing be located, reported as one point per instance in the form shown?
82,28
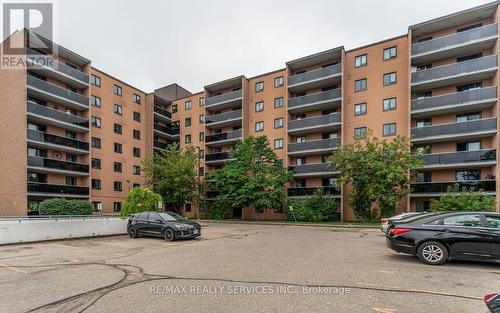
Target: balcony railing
315,98
160,145
162,112
167,130
441,187
57,91
323,120
221,156
462,128
57,115
309,191
322,144
57,189
317,168
222,117
225,97
453,40
57,164
455,99
232,135
37,58
322,73
38,136
473,157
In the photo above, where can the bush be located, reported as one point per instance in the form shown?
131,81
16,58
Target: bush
464,199
64,207
218,210
140,200
317,208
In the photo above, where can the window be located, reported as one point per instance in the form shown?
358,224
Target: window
390,53
187,105
118,186
96,143
70,181
187,121
201,154
136,185
118,147
95,80
424,122
202,101
300,182
187,139
278,143
424,67
175,108
466,220
390,79
201,136
136,152
96,122
71,158
117,128
37,152
279,81
259,106
278,102
360,60
70,134
423,177
469,146
278,122
117,206
360,132
117,90
389,104
424,149
300,139
360,109
117,167
187,207
96,164
360,85
117,109
259,126
137,116
96,206
36,177
137,134
424,94
137,99
468,117
422,206
469,87
96,184
136,170
201,119
493,221
465,175
300,161
259,87
201,171
469,57
95,101
389,129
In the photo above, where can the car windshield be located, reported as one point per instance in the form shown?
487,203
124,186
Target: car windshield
171,216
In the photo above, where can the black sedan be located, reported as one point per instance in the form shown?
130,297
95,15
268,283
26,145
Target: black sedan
493,302
168,225
437,238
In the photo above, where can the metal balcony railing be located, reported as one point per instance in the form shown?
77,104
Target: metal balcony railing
474,126
160,145
325,96
34,57
324,72
460,157
57,164
222,117
167,130
57,91
225,97
232,135
163,112
458,98
322,144
221,156
323,120
44,111
313,168
35,135
441,187
57,189
309,191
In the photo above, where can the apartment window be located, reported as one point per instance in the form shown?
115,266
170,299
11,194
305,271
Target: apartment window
300,139
278,122
201,154
423,177
390,79
95,101
360,132
136,170
300,182
278,143
259,106
175,108
390,53
468,117
96,206
360,85
202,101
117,128
37,178
187,139
95,142
466,28
118,147
278,102
469,57
117,109
117,206
300,161
187,121
70,181
96,184
201,119
136,152
117,90
423,149
71,158
389,104
137,116
201,136
469,86
70,134
187,105
469,146
360,109
424,67
361,60
136,185
259,126
424,122
279,81
422,206
137,99
117,167
389,129
96,164
137,134
95,80
299,117
117,185
465,175
259,87
424,94
96,122
201,171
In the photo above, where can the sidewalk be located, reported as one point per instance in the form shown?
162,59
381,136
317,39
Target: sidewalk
288,223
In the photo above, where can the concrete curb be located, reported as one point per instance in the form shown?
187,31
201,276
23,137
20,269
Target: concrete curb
290,224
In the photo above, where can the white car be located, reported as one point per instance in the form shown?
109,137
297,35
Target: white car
384,222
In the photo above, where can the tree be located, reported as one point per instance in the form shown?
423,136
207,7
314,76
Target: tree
255,178
140,200
173,175
378,172
465,199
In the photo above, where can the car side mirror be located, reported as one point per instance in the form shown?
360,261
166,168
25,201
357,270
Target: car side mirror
158,220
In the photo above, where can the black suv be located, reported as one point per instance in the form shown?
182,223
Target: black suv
168,225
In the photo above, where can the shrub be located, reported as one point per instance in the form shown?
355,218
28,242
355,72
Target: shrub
317,208
64,207
464,199
140,200
218,210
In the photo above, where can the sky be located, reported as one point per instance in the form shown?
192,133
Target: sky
150,44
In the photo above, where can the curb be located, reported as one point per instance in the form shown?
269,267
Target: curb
290,224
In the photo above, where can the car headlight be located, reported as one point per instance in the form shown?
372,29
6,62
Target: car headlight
181,227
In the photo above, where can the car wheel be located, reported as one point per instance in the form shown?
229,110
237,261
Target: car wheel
132,232
433,253
168,234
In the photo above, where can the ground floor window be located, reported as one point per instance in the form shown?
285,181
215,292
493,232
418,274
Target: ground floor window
422,206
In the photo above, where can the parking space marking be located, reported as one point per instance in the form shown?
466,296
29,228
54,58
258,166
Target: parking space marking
384,310
386,272
431,292
12,268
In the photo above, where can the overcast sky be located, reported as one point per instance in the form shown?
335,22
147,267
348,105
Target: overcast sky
150,44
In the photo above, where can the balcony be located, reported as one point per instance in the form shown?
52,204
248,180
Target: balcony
166,132
317,169
455,73
46,165
462,159
438,188
321,146
231,118
225,100
162,114
316,101
323,123
323,77
301,192
48,141
45,115
462,43
218,158
49,92
223,138
47,66
160,145
51,190
474,99
455,131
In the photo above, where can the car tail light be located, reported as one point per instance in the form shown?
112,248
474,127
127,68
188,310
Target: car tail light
400,231
490,297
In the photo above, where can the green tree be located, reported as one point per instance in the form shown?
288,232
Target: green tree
316,208
173,175
378,172
255,178
140,200
465,199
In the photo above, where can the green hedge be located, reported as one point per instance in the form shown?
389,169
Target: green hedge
316,208
64,207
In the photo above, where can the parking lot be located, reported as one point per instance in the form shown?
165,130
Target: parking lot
237,268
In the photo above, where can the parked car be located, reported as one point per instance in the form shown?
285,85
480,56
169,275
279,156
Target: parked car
168,225
440,237
493,302
384,222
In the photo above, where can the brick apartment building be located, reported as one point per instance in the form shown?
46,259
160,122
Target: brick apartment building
76,132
